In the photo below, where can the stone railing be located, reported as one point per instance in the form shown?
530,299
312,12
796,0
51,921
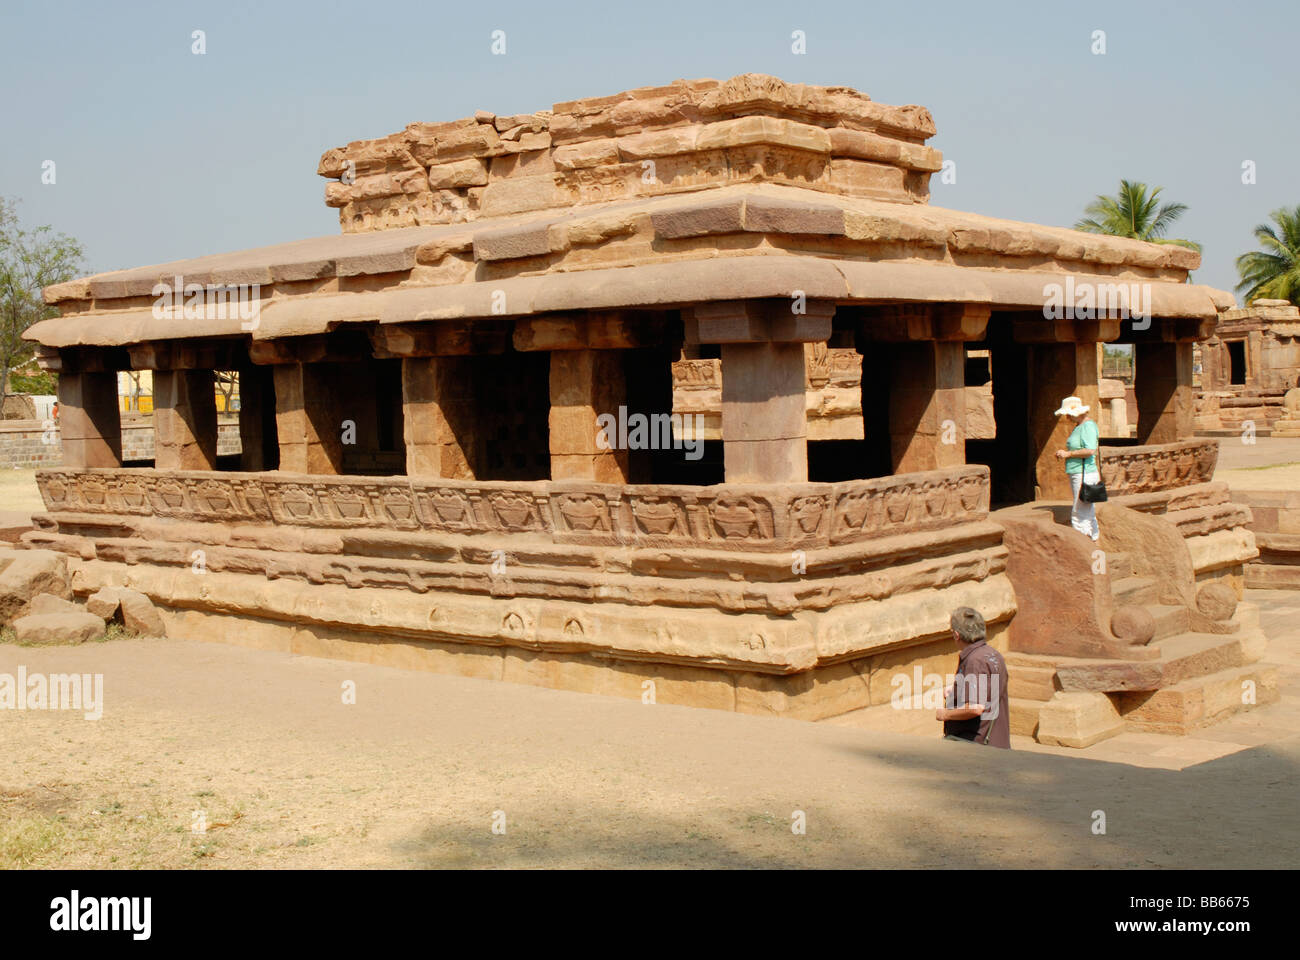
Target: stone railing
730,517
1164,466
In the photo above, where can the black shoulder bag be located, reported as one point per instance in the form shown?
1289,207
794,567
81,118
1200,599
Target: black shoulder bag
1094,492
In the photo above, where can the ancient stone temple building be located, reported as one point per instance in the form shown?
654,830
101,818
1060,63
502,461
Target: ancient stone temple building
1247,370
428,474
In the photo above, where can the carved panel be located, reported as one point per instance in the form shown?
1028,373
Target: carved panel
1164,466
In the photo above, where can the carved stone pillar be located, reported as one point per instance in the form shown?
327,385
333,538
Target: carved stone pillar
927,405
90,425
184,420
586,384
764,420
1057,371
764,382
1163,385
439,417
307,417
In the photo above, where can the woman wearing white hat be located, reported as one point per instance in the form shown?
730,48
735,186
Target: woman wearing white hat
1080,456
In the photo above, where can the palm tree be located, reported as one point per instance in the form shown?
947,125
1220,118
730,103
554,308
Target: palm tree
1135,214
1274,272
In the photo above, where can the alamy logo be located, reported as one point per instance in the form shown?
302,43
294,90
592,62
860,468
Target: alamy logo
75,913
658,431
212,301
1097,301
58,691
931,691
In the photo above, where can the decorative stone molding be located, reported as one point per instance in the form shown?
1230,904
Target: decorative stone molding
747,517
1164,466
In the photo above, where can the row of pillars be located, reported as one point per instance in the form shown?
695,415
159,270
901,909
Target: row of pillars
913,381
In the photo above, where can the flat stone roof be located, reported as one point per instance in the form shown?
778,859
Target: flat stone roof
754,240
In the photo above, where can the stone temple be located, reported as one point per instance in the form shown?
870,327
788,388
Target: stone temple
423,479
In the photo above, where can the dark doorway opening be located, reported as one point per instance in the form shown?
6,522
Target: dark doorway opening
1236,362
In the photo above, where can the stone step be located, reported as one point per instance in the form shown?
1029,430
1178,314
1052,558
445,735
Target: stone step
1031,681
1138,590
1184,656
1198,702
1078,719
1270,576
1024,716
1169,620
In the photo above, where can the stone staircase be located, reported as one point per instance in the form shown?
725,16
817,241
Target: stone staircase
1201,663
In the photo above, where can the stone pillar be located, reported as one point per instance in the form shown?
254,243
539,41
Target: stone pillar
307,419
764,420
1163,385
1057,371
927,405
438,417
184,420
257,444
90,424
586,384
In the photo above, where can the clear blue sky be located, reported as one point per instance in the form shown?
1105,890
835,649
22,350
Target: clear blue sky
162,154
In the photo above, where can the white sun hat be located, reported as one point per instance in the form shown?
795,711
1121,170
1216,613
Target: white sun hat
1072,407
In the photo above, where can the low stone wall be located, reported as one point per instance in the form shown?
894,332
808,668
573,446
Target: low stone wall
793,599
1276,526
1155,467
30,444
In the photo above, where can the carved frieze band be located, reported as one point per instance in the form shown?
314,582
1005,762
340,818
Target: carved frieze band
1164,466
731,517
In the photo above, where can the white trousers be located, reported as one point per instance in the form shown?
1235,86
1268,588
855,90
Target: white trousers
1083,516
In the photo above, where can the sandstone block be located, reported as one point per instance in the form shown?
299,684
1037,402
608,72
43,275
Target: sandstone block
27,574
1078,720
137,612
47,603
593,153
58,628
749,131
139,615
471,172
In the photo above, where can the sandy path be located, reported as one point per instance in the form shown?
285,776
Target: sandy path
411,775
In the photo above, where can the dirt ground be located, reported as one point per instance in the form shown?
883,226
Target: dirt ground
263,749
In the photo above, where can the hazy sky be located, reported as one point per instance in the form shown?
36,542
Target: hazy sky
161,154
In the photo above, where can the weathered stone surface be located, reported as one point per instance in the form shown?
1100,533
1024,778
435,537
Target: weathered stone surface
105,602
58,628
1217,601
1133,625
47,603
28,573
1078,719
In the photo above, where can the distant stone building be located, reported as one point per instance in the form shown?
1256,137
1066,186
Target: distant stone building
1247,368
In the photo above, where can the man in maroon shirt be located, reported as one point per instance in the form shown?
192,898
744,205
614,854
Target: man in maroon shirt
975,706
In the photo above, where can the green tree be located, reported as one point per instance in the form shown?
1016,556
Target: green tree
1135,212
29,260
1274,272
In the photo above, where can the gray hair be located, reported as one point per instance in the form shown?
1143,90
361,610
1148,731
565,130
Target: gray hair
968,624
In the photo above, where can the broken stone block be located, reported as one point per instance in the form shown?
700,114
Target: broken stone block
51,628
104,603
47,603
27,573
138,614
1078,719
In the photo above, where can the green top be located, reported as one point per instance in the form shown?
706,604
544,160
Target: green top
1086,436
